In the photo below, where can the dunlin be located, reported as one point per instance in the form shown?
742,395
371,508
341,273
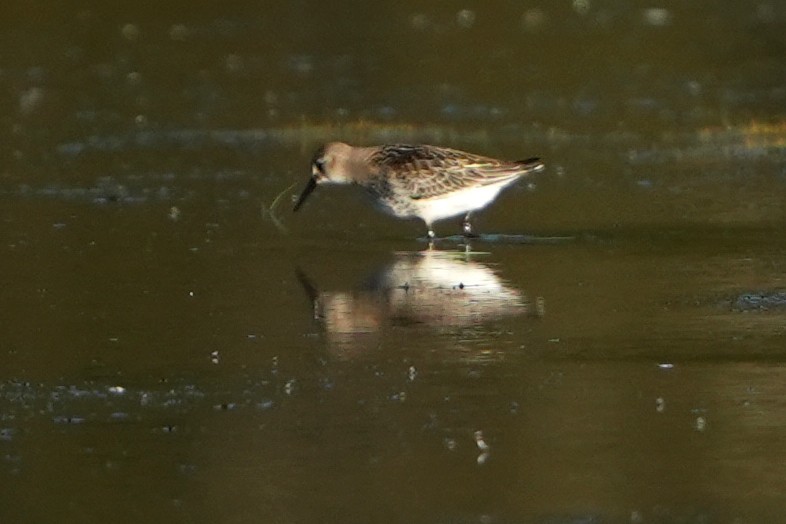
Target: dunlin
428,182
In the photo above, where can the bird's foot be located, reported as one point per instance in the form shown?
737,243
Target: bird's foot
466,228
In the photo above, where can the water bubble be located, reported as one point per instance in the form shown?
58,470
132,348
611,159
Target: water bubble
420,21
694,88
178,32
145,399
765,12
465,18
483,447
533,19
386,112
31,100
264,405
234,63
581,7
270,97
480,441
656,16
399,397
289,387
130,32
302,64
134,78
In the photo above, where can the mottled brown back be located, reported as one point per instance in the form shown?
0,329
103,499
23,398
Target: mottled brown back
427,171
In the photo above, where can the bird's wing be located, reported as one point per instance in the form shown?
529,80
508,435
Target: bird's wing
429,172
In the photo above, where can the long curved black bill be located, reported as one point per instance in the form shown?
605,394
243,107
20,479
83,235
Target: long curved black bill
310,187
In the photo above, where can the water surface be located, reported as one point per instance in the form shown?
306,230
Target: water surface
177,345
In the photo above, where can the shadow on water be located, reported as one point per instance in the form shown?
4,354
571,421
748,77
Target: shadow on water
499,239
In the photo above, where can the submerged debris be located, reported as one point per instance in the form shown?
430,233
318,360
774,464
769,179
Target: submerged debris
270,212
760,301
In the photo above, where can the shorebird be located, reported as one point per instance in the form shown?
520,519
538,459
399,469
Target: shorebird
428,182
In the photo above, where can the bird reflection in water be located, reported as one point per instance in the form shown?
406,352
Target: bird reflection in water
441,291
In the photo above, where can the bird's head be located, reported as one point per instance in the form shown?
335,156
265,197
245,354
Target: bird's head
329,165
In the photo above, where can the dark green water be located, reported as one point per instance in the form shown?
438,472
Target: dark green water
174,350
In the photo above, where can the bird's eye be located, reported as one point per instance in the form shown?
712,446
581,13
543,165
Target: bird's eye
320,163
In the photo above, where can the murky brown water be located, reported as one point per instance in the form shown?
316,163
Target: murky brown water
173,349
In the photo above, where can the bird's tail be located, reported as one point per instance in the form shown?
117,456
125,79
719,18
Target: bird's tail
532,165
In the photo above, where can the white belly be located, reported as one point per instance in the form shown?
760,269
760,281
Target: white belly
457,203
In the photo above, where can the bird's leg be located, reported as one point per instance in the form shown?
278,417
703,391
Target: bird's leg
431,236
466,228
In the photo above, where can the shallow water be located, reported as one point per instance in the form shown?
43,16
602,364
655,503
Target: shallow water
177,345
